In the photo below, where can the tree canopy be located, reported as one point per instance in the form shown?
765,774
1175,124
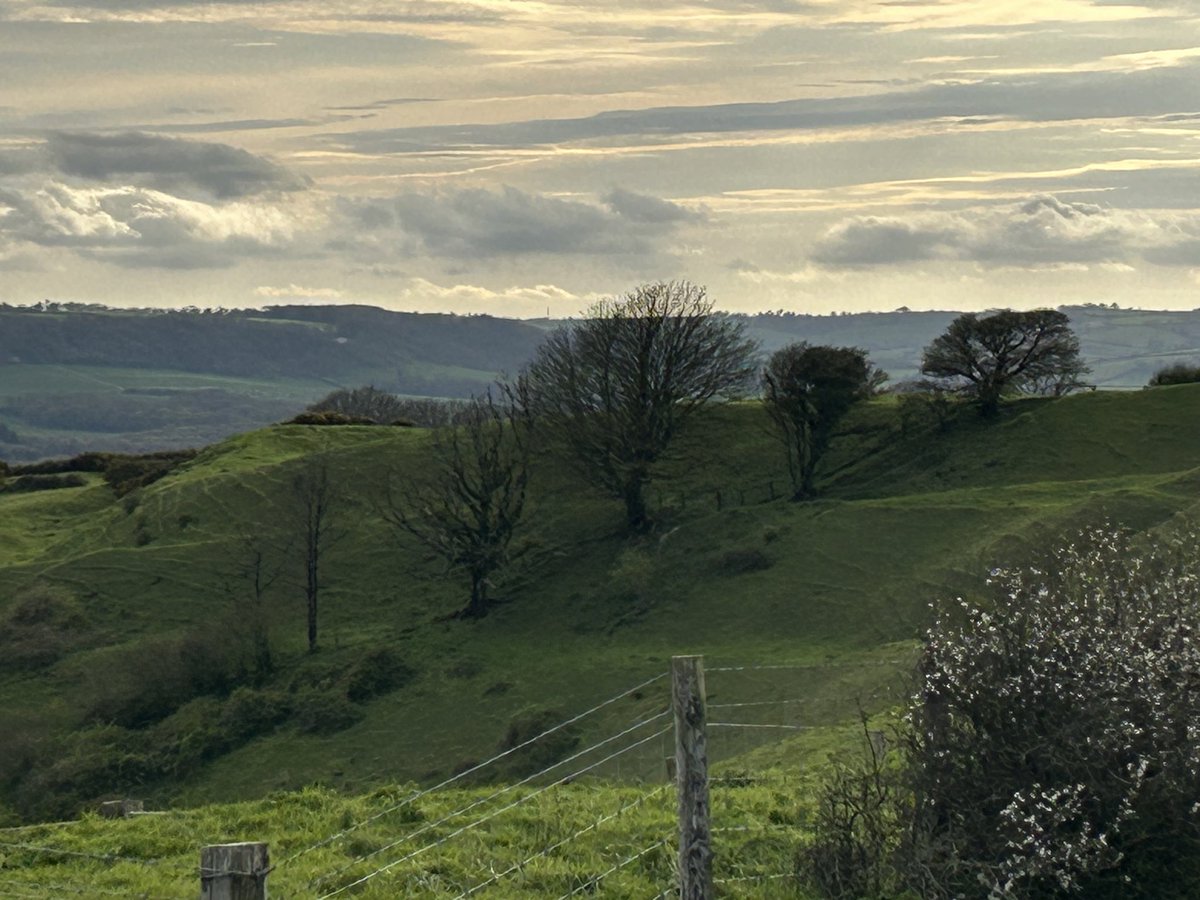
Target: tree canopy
1010,351
616,386
806,390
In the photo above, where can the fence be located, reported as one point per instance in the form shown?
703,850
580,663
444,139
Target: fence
551,833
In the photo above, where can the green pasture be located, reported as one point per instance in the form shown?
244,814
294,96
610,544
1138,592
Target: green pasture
834,591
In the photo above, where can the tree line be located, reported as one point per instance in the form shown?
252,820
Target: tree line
610,393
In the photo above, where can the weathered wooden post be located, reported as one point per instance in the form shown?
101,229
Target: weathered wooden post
691,778
234,872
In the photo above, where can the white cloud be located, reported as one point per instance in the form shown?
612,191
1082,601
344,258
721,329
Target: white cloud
298,292
1043,231
142,227
516,301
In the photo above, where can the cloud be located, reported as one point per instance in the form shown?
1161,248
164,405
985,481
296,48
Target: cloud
168,164
1043,231
516,301
476,222
133,226
647,209
1037,97
295,292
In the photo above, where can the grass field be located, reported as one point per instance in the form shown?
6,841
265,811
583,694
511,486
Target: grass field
834,592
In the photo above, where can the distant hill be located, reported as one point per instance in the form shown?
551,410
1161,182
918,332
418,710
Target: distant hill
76,376
79,377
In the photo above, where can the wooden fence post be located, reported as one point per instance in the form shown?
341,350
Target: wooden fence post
234,872
691,777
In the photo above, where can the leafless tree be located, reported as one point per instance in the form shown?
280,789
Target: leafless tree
317,504
468,509
616,386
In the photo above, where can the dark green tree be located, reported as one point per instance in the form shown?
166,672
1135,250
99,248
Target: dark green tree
806,391
1007,352
616,386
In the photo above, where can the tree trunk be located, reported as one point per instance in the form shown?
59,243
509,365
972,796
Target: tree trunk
636,516
310,591
478,606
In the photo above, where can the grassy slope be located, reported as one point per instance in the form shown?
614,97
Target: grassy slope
905,520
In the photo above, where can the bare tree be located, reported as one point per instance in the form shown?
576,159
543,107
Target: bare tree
616,386
317,503
255,565
470,507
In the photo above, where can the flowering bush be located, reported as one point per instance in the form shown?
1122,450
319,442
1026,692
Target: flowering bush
1052,747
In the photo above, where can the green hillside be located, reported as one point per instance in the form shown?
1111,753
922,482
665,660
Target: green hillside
77,377
805,614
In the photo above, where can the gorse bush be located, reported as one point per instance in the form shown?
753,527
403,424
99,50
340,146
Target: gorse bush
1053,743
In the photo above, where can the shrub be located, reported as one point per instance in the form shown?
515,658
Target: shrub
376,672
248,712
329,418
43,625
323,712
1180,373
541,753
128,473
28,483
1052,746
738,562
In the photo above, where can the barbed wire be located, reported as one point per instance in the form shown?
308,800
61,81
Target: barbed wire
470,826
870,663
769,725
754,877
546,851
591,883
413,798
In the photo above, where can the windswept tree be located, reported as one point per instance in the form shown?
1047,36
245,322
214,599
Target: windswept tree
1007,352
469,507
806,391
616,386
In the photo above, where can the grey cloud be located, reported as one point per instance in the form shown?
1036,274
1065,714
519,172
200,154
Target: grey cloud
476,222
169,164
1042,97
647,209
1041,231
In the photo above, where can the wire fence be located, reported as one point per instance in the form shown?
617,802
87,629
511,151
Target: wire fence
577,824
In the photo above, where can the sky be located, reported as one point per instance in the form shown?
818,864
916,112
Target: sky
529,158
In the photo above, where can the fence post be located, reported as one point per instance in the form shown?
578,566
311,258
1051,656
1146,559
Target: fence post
234,872
691,777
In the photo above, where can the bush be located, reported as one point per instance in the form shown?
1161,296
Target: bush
128,473
1052,746
323,712
247,712
329,418
541,753
28,483
376,672
738,562
44,624
1179,373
